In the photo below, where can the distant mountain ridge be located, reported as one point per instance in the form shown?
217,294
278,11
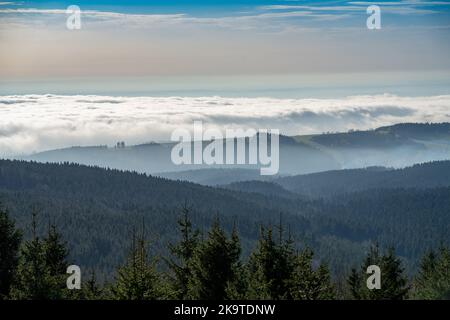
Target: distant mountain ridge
396,146
404,134
337,182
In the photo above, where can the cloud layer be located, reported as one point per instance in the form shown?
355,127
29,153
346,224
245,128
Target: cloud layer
30,123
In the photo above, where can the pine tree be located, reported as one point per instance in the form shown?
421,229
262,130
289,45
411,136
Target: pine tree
238,286
443,274
10,240
394,284
138,279
55,250
354,282
183,252
41,273
310,284
271,267
214,266
90,290
433,280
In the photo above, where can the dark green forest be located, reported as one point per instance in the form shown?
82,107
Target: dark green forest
98,214
337,182
209,266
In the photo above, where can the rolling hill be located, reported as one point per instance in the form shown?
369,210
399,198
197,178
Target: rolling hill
326,184
96,210
394,146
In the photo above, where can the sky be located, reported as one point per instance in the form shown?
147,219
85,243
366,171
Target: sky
138,69
219,38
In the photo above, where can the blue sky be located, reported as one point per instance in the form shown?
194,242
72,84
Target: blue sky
400,13
216,7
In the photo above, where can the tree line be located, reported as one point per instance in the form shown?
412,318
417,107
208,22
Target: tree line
209,266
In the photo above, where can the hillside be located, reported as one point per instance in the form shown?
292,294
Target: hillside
155,158
403,134
325,184
394,146
214,177
96,209
262,187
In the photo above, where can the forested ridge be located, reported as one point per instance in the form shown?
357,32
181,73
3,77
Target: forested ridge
398,146
330,183
388,136
97,209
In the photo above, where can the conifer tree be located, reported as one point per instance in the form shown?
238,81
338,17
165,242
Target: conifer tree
180,265
36,279
214,265
238,286
433,280
393,281
90,290
310,284
10,240
271,267
355,282
138,279
56,252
